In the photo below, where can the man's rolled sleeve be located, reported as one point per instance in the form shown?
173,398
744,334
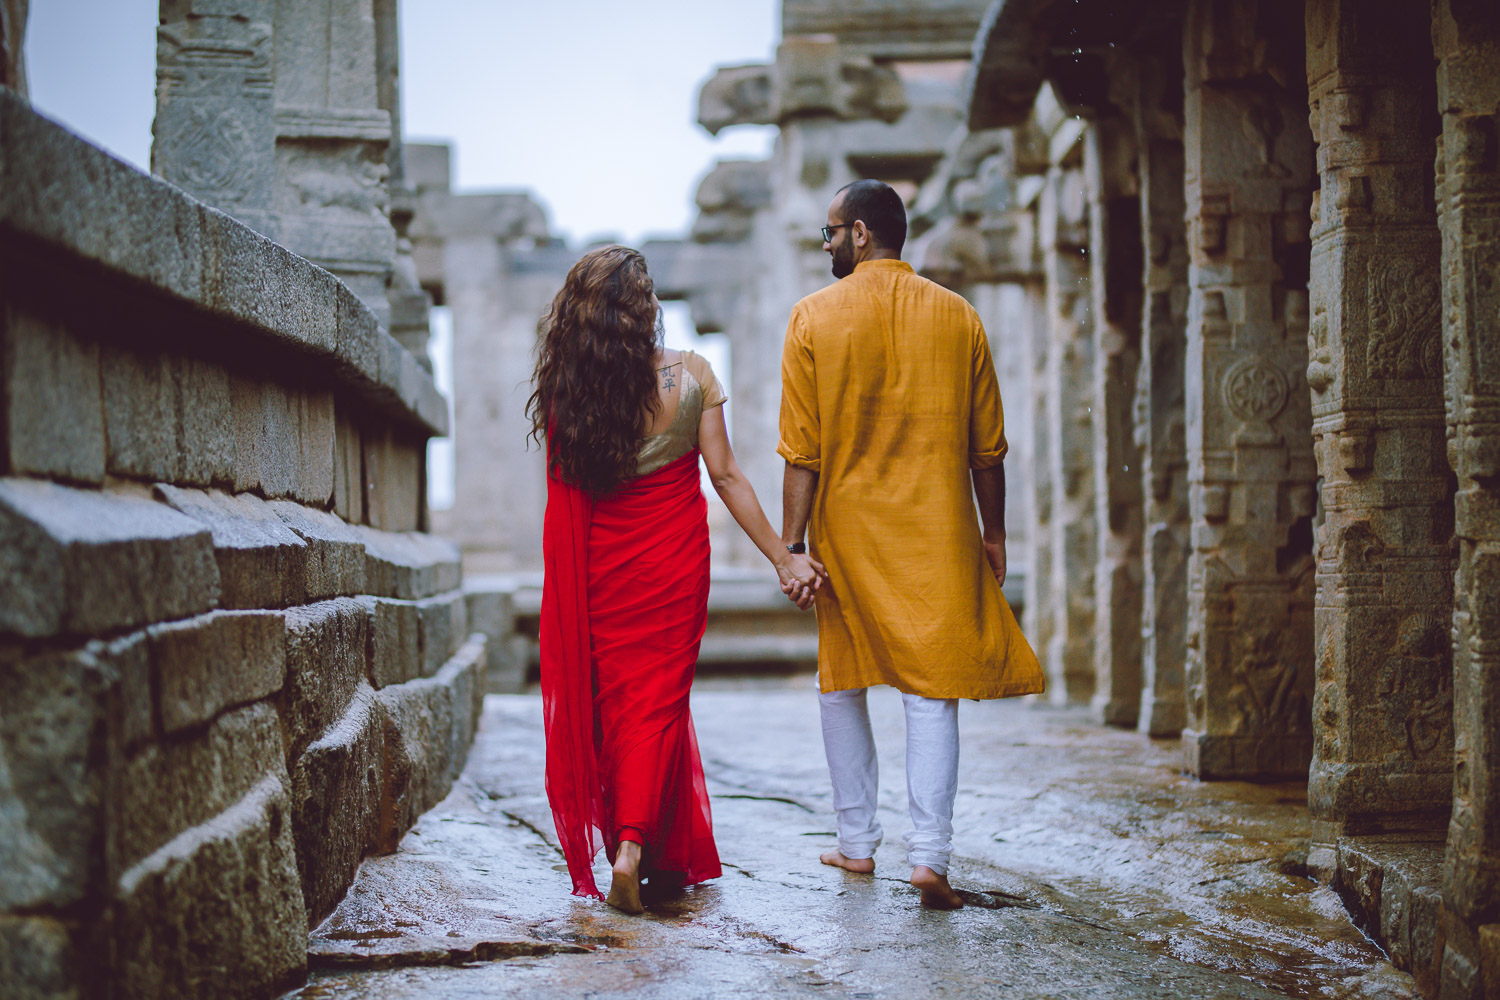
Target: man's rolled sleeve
987,444
801,434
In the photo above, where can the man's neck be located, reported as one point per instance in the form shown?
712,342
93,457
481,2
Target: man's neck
879,253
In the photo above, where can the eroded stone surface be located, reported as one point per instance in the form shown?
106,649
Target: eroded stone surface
262,562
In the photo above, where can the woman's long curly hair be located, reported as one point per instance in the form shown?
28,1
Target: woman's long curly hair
595,380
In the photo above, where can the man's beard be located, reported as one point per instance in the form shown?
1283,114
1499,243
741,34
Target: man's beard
843,260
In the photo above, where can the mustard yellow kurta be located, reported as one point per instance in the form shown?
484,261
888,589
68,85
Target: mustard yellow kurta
889,394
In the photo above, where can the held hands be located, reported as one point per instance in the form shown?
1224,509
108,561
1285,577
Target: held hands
801,577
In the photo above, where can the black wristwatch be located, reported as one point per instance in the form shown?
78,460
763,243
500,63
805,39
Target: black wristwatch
797,548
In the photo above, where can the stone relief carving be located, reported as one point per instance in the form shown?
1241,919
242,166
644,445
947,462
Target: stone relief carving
212,157
1255,391
348,181
1405,318
1263,694
1416,684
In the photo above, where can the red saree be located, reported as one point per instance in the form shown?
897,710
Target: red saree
624,604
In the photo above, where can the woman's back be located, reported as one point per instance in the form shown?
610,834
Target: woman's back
687,387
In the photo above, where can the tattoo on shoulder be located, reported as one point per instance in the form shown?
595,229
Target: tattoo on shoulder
667,381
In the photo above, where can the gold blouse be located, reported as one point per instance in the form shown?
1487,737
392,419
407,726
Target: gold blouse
699,391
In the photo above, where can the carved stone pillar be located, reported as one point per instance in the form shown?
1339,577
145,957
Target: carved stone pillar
332,135
1070,447
1115,278
1249,169
12,45
410,305
1383,714
1466,40
214,134
1160,397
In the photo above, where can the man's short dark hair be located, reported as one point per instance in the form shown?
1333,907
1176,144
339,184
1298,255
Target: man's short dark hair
879,207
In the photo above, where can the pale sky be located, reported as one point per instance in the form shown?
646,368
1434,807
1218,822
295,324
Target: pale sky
591,105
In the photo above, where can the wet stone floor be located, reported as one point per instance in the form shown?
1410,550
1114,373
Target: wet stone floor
1091,868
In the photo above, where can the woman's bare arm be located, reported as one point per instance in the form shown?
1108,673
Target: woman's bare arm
739,496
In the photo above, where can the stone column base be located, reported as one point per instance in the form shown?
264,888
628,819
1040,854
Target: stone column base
1215,757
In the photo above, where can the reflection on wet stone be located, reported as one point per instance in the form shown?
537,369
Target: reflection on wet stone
1089,866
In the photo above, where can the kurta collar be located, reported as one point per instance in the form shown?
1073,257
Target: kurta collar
883,264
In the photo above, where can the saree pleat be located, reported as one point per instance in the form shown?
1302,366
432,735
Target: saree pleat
624,606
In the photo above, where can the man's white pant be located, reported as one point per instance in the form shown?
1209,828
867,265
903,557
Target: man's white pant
931,775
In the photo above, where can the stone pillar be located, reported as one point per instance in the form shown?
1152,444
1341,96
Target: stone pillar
1249,170
1069,419
497,287
12,45
1115,279
214,134
332,136
1159,424
1383,714
1466,40
1040,615
409,304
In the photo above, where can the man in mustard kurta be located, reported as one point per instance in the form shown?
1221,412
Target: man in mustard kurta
889,412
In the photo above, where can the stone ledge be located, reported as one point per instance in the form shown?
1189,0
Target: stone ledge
216,910
262,562
1392,888
72,197
336,802
84,562
216,661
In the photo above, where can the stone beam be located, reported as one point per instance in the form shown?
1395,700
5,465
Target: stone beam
1249,168
811,77
890,29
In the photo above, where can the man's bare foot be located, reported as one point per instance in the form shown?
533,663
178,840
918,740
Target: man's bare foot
860,866
625,886
937,894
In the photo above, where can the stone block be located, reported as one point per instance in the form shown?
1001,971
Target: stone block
53,733
325,663
268,447
170,787
429,724
132,711
216,910
336,802
444,627
70,194
85,562
304,319
262,562
53,420
167,418
394,649
409,565
315,427
491,611
204,412
336,560
38,960
216,661
348,474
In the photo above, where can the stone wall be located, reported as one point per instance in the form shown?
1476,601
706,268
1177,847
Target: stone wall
232,662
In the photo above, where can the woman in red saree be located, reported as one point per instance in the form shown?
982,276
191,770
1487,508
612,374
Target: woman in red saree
625,597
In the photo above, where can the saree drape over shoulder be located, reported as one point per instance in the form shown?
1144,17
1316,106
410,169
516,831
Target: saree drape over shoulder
624,606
